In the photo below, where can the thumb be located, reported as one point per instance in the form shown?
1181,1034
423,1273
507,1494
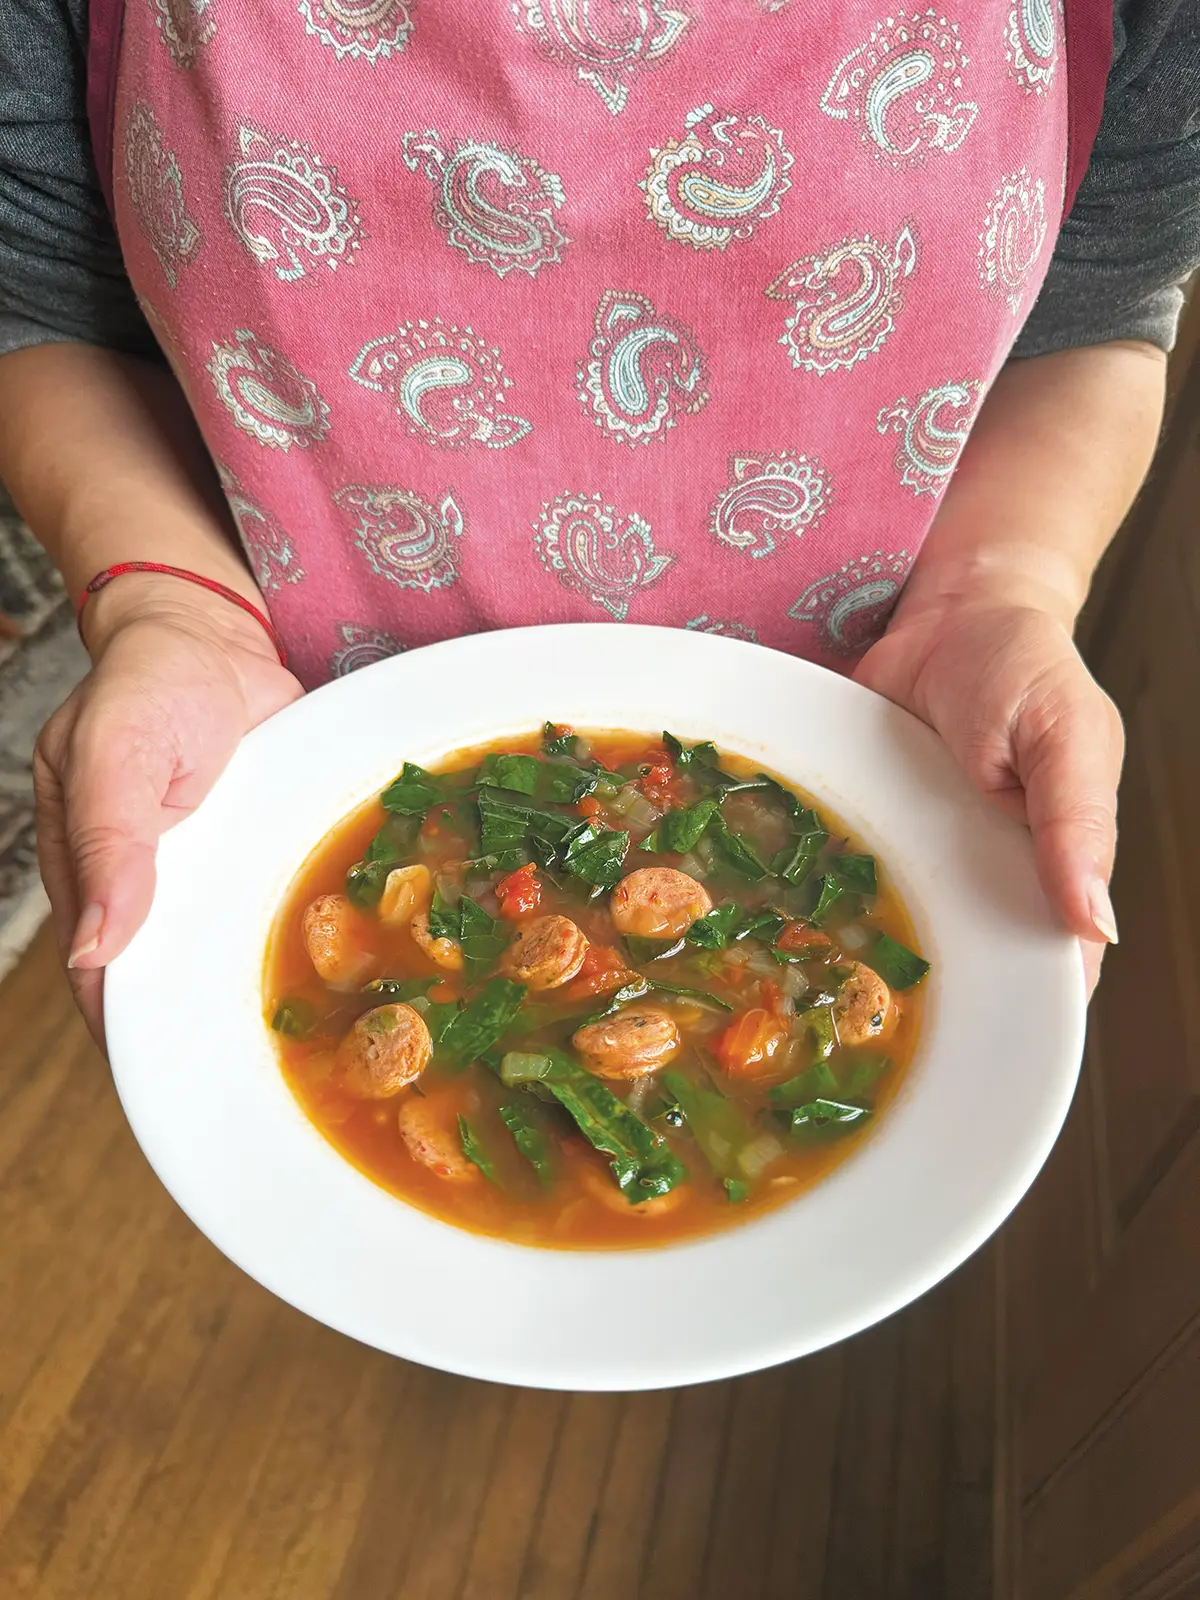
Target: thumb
1069,745
114,782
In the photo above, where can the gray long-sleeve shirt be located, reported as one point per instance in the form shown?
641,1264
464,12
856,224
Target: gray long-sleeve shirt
1131,240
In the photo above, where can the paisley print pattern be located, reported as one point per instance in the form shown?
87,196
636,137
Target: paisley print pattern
606,42
932,433
493,204
271,554
364,30
1032,42
185,27
769,496
850,608
577,537
265,394
287,207
1013,236
156,193
361,647
404,538
645,371
447,384
845,300
727,175
903,88
732,630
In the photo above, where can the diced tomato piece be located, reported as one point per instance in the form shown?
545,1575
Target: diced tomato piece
798,938
589,806
603,972
660,785
519,893
750,1044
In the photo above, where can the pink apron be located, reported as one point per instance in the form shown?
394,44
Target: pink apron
673,311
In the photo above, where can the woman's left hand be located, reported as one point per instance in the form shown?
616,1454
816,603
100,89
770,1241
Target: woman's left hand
1004,685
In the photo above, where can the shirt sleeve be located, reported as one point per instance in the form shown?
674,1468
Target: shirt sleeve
61,274
1132,238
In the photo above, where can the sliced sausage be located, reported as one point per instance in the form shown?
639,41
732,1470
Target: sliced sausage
386,1049
445,953
545,953
863,1006
331,937
429,1129
635,1041
658,903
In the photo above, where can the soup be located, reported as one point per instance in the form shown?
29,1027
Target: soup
592,991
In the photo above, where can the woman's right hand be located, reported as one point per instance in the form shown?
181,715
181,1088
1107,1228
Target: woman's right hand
178,677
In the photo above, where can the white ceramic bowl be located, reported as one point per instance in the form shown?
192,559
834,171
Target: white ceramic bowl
979,1111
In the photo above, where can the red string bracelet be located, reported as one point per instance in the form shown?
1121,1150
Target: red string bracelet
103,579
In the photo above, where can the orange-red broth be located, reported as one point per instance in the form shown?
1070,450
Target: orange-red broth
583,1208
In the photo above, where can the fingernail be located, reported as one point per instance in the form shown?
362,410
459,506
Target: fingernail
1104,918
87,934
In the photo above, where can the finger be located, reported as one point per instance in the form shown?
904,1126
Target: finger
54,856
113,784
1069,746
54,863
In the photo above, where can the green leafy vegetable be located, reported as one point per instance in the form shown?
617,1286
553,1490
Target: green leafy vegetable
680,831
643,1162
714,931
565,783
391,990
365,882
295,1019
737,1189
529,1139
797,859
821,1030
860,1073
481,938
445,920
475,1153
849,880
479,1025
516,772
764,925
597,855
558,744
819,1116
642,951
394,839
505,825
701,996
738,851
414,792
896,964
817,1082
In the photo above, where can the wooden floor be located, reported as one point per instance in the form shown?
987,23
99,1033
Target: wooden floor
169,1431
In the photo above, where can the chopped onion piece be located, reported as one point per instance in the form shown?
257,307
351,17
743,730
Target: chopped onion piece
737,955
693,866
854,936
764,963
793,982
641,1091
754,1159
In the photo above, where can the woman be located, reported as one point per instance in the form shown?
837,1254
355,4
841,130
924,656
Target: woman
660,310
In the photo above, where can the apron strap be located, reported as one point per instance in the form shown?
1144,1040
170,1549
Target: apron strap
1089,29
106,21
